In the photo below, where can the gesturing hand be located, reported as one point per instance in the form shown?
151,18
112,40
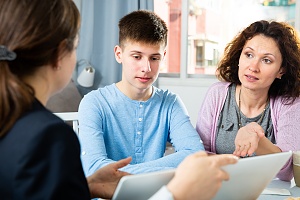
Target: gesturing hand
104,181
247,138
200,176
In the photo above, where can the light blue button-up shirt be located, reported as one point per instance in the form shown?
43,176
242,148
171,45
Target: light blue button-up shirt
113,126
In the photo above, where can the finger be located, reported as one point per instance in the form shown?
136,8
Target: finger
225,159
237,147
237,150
260,134
122,163
252,149
241,149
258,130
225,175
245,150
200,154
122,173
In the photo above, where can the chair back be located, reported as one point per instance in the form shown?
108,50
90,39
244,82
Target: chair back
70,117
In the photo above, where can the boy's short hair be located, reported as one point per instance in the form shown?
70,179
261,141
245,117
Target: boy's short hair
142,26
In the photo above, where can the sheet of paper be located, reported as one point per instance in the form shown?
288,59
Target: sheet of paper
276,191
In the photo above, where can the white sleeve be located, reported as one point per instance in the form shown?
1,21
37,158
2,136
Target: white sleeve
162,194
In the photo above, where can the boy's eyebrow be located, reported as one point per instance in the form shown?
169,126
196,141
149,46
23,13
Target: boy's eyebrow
154,54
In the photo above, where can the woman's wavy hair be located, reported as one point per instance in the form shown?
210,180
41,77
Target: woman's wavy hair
288,42
37,32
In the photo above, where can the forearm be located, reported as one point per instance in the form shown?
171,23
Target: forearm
92,163
167,162
265,146
92,187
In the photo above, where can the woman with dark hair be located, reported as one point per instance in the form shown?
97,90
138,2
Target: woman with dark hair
40,154
254,110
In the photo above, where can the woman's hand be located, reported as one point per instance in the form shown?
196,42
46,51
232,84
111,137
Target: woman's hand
247,139
200,176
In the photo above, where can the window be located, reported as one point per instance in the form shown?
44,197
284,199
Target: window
200,29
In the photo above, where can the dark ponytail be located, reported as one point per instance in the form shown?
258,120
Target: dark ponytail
32,35
15,98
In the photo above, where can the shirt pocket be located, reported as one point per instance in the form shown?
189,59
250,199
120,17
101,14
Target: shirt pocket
229,126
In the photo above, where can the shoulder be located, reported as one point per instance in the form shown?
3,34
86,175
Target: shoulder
220,86
39,130
164,93
40,122
218,89
164,96
103,92
278,104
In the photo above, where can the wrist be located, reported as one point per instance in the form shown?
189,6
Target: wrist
90,186
175,189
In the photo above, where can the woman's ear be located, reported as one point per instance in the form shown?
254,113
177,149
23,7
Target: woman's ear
280,73
118,53
57,63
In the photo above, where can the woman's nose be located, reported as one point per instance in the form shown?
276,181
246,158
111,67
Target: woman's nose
253,67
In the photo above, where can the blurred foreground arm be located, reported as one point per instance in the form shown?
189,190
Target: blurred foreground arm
104,181
200,176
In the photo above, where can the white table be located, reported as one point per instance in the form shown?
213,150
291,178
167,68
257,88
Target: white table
276,183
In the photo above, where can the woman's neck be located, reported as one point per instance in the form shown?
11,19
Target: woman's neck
40,84
250,102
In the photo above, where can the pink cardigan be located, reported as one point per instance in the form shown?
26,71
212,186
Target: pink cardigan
285,119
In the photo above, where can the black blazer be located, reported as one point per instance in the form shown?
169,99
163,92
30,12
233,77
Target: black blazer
40,159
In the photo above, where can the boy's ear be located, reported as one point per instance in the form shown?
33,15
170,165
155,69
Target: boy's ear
118,53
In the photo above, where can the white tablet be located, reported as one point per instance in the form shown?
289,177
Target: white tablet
142,186
250,176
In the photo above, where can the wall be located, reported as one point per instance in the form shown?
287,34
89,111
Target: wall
191,91
78,3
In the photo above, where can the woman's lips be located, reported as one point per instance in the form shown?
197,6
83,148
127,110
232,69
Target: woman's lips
251,78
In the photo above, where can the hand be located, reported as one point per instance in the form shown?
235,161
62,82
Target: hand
247,139
103,182
200,176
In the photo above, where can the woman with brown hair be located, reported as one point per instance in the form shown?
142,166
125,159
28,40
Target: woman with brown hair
254,110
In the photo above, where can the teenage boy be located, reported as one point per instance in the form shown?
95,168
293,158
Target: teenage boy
132,118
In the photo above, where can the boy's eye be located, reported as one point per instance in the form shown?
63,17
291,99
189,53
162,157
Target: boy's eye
155,58
136,56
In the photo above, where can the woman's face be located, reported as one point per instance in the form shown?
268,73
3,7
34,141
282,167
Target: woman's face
67,64
260,63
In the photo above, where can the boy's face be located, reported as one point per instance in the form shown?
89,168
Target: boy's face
140,63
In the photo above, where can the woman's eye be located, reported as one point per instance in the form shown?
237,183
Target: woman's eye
266,60
249,55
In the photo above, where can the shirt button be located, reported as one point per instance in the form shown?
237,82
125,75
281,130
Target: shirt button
139,133
83,153
140,119
141,105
